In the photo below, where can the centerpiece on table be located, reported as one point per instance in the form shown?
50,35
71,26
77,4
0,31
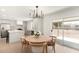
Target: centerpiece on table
37,34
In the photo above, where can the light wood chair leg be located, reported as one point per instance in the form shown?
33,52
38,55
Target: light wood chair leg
23,46
46,48
53,48
43,49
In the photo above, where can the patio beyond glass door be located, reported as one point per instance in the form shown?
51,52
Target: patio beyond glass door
67,33
71,33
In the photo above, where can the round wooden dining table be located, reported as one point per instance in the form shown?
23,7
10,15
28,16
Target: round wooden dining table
40,39
37,39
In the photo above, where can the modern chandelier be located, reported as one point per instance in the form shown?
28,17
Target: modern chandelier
37,14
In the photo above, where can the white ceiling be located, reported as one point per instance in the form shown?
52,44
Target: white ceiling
22,12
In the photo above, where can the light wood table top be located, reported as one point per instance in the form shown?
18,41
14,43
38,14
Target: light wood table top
39,39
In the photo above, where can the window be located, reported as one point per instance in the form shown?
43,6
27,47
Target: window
67,32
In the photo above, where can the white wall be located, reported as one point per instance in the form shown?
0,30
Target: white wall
47,25
69,12
38,25
29,25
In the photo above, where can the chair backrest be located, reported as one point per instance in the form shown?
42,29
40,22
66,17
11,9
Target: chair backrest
37,43
23,40
53,39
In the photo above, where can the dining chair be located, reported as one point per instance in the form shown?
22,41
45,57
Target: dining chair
39,44
52,42
24,43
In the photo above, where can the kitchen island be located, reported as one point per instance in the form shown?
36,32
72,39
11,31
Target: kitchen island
15,35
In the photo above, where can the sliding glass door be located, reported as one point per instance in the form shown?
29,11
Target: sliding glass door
58,31
67,33
71,33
